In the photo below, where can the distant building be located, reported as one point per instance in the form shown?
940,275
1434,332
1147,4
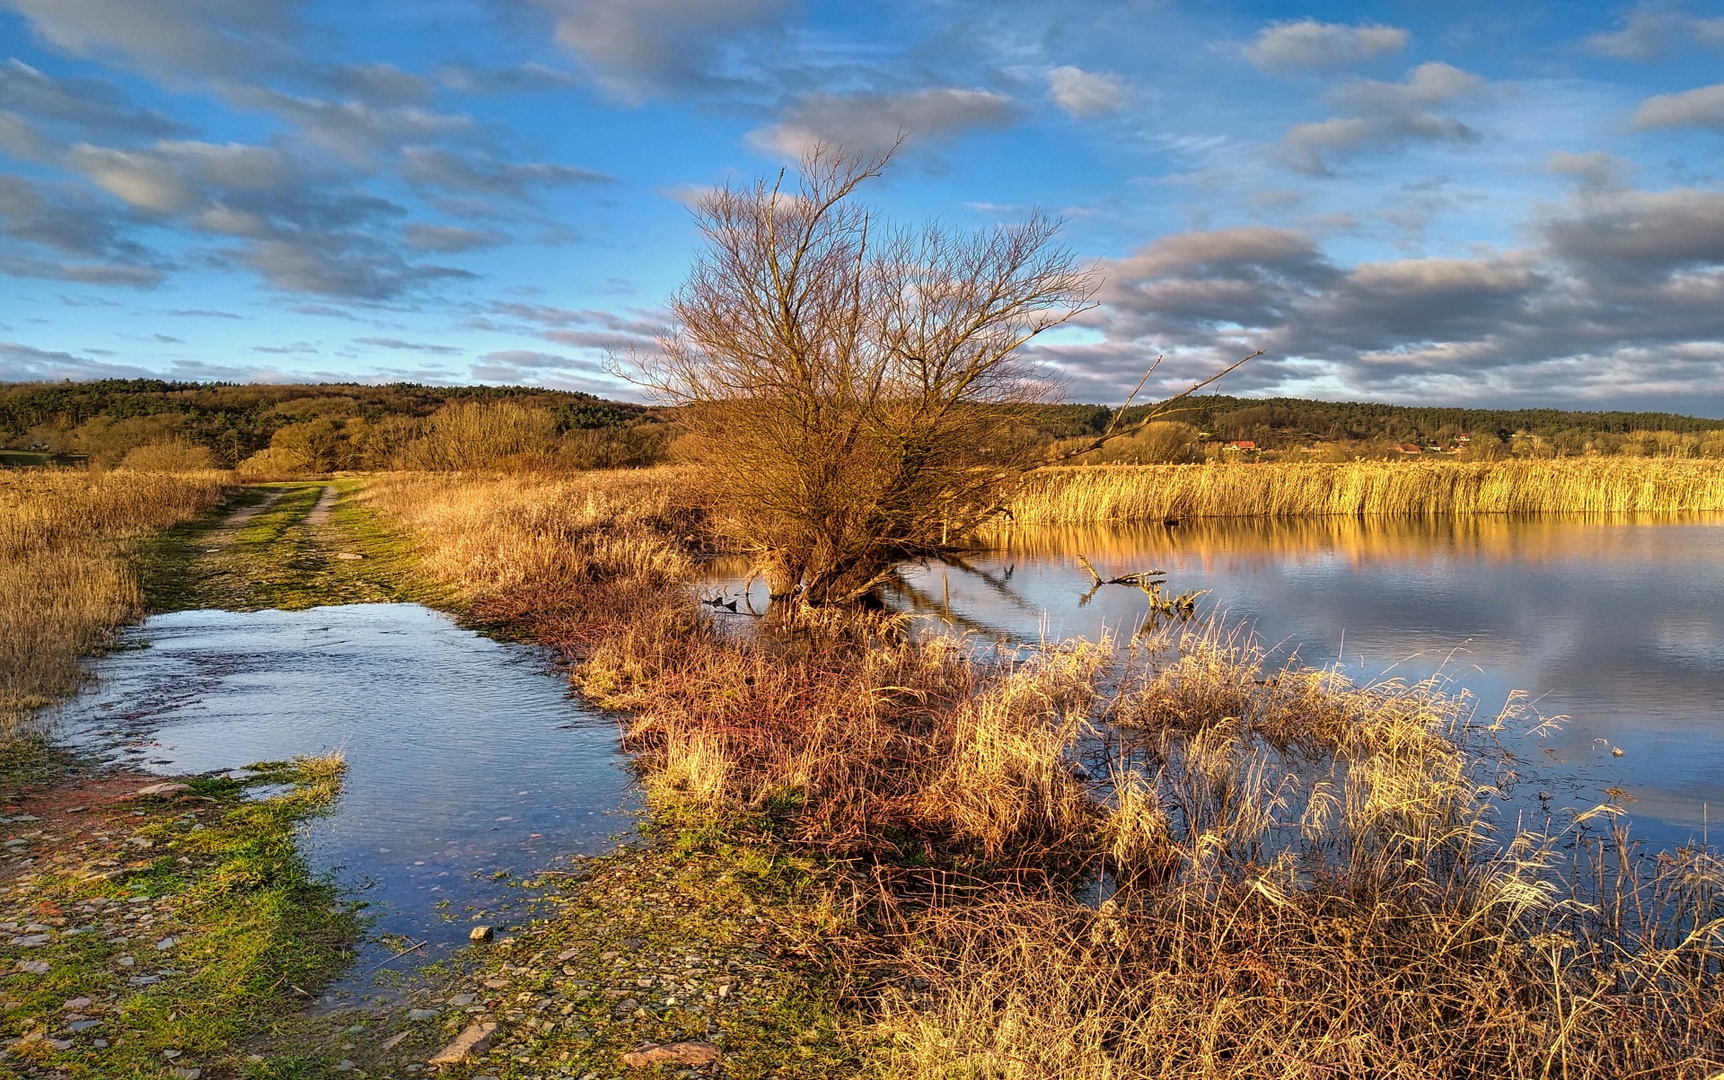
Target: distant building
1243,444
1409,448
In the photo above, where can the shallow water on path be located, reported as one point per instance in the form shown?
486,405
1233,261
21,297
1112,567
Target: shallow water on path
465,756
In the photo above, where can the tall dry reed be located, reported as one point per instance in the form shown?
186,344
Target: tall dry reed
64,580
1121,494
562,554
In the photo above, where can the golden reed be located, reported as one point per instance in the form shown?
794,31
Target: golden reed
1122,494
64,583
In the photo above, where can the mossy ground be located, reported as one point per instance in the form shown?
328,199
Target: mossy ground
262,549
680,939
150,936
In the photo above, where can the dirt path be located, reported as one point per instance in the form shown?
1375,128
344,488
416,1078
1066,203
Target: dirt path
296,546
323,511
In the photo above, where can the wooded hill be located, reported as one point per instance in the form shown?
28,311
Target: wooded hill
105,419
351,425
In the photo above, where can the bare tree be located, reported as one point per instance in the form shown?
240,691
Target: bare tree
856,391
851,386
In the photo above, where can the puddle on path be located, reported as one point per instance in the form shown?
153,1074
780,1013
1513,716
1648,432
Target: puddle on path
465,756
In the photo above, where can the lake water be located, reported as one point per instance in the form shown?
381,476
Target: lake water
465,755
1618,625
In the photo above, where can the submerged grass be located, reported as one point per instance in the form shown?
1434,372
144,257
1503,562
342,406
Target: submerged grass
65,583
1307,875
1124,494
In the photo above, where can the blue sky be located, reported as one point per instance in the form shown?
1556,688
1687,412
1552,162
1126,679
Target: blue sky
1456,203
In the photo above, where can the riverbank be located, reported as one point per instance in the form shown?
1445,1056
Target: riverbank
889,849
1308,875
1136,494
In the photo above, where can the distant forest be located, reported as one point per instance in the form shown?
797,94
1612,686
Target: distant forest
329,426
333,425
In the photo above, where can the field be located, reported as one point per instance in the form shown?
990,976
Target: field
65,583
1126,494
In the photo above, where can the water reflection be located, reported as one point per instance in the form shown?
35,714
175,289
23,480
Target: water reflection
465,755
1619,624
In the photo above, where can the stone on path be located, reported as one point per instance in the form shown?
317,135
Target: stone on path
474,1039
162,789
682,1053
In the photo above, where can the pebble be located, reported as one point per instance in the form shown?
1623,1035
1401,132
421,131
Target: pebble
480,933
421,1014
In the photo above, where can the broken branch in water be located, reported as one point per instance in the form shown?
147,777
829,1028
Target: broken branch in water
1142,579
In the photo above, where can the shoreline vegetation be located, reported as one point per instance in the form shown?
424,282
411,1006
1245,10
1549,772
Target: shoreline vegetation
1309,878
1137,494
1300,876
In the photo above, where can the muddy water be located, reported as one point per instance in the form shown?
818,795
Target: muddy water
1618,625
465,756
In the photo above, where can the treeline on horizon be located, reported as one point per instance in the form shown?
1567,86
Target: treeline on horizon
333,426
320,427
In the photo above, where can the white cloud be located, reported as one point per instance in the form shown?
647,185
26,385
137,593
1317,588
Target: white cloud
172,38
1702,107
1651,32
1385,114
1086,93
637,49
870,123
1311,44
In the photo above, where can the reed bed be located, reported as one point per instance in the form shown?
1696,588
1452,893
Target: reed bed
1123,494
1308,876
64,581
1311,882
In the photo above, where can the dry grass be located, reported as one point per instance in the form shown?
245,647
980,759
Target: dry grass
1310,879
1311,884
566,555
1152,493
64,585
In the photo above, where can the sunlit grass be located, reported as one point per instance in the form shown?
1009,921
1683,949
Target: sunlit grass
1120,494
64,584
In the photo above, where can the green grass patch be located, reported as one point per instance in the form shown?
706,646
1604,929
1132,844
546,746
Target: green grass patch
177,930
277,558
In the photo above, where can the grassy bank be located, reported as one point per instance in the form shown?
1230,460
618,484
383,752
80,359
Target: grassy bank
150,936
1125,494
1310,876
65,580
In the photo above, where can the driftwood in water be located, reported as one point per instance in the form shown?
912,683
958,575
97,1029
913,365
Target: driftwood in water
1183,605
1142,580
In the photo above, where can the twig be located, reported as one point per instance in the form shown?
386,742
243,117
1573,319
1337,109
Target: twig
392,959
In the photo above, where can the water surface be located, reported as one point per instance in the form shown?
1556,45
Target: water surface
465,756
